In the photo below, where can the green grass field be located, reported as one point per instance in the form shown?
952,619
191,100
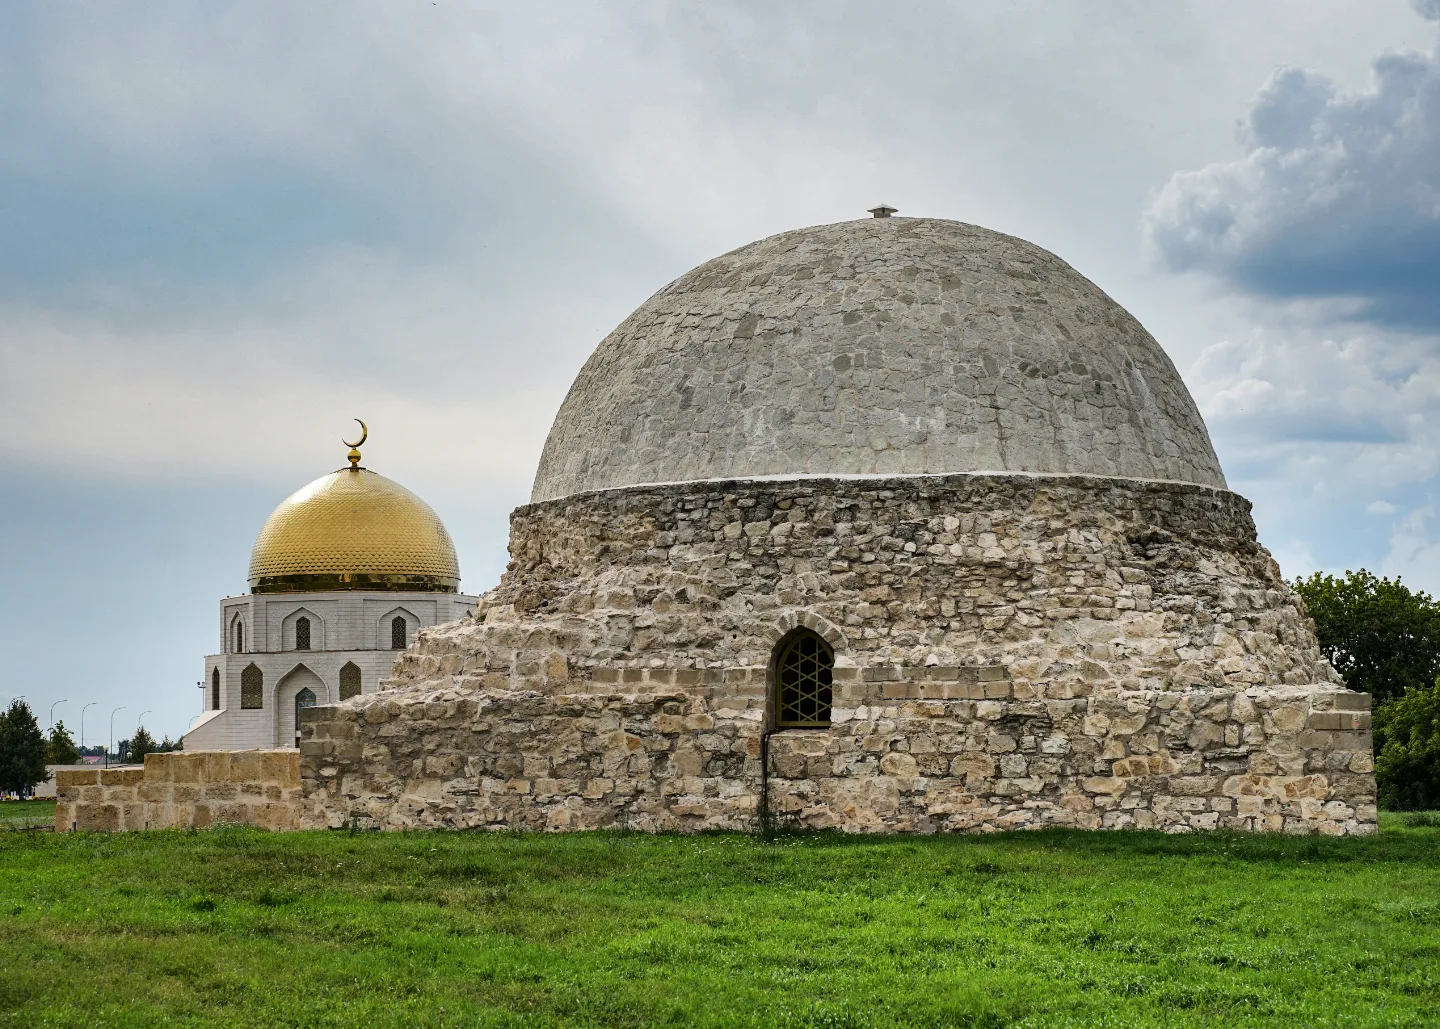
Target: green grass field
243,928
19,813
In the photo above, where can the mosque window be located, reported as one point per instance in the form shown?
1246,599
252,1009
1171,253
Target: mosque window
349,680
804,670
239,647
252,687
215,690
302,633
397,633
305,698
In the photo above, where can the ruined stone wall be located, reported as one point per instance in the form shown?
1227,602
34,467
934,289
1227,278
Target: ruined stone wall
904,754
181,790
1010,650
1075,584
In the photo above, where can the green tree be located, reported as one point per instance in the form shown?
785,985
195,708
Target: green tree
22,749
1382,637
141,743
61,749
1407,745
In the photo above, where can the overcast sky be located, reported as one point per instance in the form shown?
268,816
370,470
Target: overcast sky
225,230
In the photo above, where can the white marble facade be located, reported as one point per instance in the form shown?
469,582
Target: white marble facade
346,628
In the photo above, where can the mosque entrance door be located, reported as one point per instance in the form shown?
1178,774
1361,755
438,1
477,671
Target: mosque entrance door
300,689
305,698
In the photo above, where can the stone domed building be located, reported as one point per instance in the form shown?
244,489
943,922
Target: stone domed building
898,524
344,573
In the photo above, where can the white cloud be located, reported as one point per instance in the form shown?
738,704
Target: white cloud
1294,558
1285,386
1337,194
1414,550
1319,241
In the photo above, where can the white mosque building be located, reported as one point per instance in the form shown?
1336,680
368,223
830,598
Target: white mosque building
343,574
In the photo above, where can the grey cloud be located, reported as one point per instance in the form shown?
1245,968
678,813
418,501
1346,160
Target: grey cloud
1337,195
1427,8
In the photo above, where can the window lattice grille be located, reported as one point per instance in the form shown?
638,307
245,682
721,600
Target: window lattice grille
302,633
215,690
803,676
252,687
349,680
397,634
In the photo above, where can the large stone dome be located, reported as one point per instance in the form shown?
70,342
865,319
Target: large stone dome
876,347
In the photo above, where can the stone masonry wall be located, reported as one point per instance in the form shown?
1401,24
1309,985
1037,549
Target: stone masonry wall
1075,584
181,790
1010,650
903,755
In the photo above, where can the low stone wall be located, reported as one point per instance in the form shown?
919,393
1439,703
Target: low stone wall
909,750
180,790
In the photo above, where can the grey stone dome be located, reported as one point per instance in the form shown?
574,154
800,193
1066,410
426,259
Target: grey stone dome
876,347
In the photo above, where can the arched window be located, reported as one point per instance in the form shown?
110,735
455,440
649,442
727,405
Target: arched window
252,687
349,680
305,698
397,633
804,671
215,690
239,637
302,633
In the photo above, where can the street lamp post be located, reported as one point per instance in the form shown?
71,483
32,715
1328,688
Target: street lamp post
111,745
52,712
87,707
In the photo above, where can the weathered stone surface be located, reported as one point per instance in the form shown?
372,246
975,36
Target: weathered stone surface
183,789
688,759
987,673
880,346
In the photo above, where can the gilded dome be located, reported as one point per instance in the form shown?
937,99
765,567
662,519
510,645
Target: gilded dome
353,530
885,346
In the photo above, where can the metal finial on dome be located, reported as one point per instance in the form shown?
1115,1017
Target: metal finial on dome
354,454
883,211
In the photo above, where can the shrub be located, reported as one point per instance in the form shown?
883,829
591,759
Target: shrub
1407,745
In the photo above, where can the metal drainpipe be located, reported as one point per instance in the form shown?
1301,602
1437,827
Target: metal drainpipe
765,781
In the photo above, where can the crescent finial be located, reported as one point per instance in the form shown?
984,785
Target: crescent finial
354,454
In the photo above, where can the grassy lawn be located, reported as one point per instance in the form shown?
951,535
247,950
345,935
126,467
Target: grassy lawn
18,813
239,927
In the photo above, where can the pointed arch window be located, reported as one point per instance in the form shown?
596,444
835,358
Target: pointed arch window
302,633
397,633
239,641
215,689
349,680
305,698
804,673
252,687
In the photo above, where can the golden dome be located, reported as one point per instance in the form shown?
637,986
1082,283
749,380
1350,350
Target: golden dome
353,530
